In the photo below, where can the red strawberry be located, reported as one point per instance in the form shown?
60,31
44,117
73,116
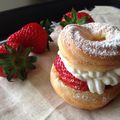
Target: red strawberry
2,49
67,77
2,72
75,17
31,35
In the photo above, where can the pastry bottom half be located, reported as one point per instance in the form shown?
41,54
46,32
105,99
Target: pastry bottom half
81,99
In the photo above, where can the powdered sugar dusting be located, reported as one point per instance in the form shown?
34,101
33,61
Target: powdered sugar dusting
83,34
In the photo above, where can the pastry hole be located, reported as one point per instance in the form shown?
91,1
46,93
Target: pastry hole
98,38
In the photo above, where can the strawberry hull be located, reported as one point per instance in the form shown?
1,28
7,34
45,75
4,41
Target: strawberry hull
79,16
76,17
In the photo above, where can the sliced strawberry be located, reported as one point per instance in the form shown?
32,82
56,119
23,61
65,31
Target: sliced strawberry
67,78
75,17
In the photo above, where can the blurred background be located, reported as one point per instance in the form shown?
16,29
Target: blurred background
11,4
16,13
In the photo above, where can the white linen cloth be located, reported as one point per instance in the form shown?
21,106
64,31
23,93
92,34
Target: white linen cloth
35,99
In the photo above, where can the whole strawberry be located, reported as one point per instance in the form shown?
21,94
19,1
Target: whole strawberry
75,17
31,35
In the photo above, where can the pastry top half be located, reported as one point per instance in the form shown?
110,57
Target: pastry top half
91,52
92,44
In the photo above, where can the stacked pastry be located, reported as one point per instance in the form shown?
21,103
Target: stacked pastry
86,71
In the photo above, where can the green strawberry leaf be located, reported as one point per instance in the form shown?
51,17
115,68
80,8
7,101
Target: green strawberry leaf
46,24
63,23
42,23
67,19
9,48
74,19
3,56
27,51
32,59
2,62
10,74
74,15
83,20
22,74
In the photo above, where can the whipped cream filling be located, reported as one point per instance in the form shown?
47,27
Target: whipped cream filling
96,81
57,28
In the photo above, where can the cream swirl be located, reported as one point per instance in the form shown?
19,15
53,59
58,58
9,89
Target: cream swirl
96,81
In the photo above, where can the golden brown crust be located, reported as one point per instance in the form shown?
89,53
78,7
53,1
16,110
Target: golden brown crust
79,99
81,60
